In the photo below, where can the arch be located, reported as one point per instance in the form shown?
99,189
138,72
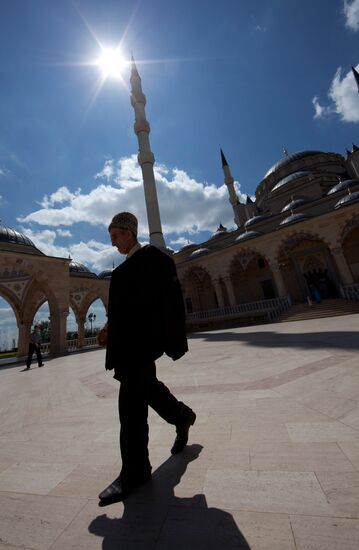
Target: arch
350,246
9,325
100,312
306,263
251,276
199,292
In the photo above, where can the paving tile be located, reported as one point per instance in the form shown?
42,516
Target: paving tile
342,492
265,531
351,450
332,431
86,481
300,457
262,491
35,521
35,478
320,533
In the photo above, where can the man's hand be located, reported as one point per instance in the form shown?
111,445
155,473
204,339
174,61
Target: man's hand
102,337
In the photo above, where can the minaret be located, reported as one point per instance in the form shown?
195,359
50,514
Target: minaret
229,181
146,158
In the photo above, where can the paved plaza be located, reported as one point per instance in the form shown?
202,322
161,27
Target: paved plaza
272,462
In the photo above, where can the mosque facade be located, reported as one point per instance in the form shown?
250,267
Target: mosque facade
296,240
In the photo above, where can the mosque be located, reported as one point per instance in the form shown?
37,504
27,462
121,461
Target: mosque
297,240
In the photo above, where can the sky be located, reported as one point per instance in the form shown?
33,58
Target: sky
250,76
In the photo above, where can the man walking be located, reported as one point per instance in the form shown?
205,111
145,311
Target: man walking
146,318
35,346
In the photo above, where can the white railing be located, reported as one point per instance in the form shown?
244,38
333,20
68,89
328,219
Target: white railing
45,348
270,308
350,292
91,342
72,345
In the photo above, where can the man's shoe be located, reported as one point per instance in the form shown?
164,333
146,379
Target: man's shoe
42,364
27,368
117,490
182,429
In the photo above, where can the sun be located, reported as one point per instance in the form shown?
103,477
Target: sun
112,62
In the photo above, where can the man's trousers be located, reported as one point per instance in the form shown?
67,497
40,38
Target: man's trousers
139,390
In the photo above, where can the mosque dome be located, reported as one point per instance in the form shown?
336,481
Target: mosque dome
290,158
294,218
289,179
80,270
221,230
294,204
10,237
343,185
248,235
254,220
351,198
199,252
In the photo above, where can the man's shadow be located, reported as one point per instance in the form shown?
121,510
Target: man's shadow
154,518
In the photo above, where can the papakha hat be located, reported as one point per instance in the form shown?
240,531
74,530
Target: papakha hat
124,220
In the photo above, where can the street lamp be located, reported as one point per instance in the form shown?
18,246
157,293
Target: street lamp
92,319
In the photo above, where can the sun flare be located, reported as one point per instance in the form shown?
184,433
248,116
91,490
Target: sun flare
112,62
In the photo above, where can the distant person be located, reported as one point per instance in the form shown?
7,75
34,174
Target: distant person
35,346
146,318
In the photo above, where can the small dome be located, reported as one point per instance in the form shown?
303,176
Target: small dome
9,236
254,220
80,269
105,274
294,204
342,185
291,158
292,177
248,235
294,218
221,230
199,252
351,198
187,247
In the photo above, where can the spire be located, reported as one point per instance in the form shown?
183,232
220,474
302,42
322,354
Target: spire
355,148
285,152
134,71
356,76
224,161
347,152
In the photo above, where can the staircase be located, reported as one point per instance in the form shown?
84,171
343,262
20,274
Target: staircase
327,308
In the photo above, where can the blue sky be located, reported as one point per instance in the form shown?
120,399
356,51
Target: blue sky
250,76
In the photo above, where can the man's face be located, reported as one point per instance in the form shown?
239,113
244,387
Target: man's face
122,239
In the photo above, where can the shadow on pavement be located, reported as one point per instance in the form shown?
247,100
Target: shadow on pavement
346,340
154,518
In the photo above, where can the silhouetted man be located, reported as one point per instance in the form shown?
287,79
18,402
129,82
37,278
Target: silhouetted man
146,318
35,347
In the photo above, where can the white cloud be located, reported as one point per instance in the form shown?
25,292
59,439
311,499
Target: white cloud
260,28
96,255
181,241
320,110
351,12
107,172
63,233
344,97
186,204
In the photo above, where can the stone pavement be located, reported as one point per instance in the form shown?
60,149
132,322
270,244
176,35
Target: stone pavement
272,464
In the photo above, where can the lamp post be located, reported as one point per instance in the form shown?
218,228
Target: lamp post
92,318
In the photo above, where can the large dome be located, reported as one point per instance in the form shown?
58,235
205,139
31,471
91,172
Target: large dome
10,237
291,158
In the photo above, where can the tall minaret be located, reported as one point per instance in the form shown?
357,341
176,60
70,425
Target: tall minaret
229,181
146,158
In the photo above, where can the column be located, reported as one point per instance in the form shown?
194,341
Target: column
342,266
58,331
278,278
219,293
24,337
230,291
81,331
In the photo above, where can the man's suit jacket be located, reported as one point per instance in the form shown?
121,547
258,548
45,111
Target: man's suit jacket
146,314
